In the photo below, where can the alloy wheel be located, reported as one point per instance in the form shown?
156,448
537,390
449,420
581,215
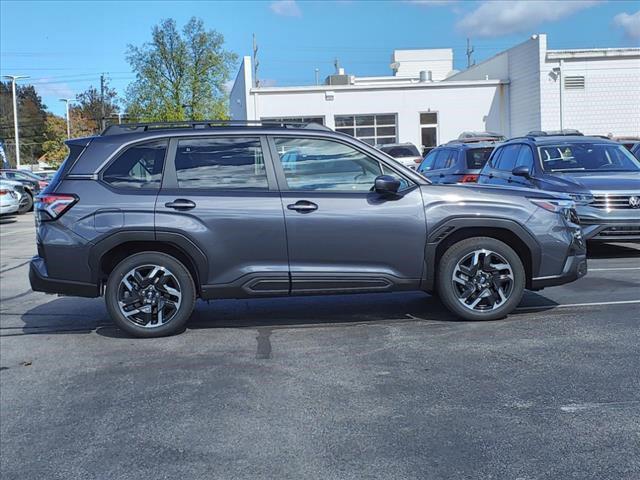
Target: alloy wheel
149,296
483,280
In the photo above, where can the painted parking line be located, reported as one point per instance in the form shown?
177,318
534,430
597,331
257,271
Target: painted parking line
574,305
612,269
6,234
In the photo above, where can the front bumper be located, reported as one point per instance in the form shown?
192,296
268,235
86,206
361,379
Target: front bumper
600,224
41,282
575,267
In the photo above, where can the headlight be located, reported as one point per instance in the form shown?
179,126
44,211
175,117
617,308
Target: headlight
566,208
582,198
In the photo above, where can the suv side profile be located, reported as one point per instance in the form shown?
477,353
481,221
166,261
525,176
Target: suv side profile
601,175
457,161
154,216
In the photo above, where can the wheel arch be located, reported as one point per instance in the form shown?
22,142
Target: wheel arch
507,231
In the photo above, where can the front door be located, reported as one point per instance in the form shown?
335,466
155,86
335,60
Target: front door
219,193
342,236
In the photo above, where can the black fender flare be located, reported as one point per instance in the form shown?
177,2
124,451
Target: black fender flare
442,231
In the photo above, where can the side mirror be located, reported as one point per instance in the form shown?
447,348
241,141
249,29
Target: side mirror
386,185
521,171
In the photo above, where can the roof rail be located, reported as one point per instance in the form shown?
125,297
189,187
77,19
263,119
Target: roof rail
123,128
554,133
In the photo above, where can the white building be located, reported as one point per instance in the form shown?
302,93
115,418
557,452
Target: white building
426,102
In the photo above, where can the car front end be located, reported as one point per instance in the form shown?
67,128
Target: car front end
611,216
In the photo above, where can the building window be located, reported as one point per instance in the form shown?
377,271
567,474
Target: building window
318,120
574,83
372,129
429,130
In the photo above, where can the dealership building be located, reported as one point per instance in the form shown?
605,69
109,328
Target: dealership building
426,102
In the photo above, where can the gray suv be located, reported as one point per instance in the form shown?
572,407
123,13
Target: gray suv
153,216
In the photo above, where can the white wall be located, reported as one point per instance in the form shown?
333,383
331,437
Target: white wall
609,103
460,106
439,61
239,101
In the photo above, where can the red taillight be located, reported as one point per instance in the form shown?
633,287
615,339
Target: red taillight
418,160
54,204
4,192
469,178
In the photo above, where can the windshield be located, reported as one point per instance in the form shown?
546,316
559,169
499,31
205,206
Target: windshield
403,151
477,157
587,157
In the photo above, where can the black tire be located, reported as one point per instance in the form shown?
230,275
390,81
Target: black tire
448,290
25,205
179,273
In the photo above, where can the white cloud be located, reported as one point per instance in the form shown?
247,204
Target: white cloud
286,8
496,18
630,23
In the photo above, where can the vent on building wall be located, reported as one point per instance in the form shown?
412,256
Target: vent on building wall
574,83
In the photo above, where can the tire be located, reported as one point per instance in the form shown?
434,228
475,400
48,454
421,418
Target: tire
26,205
170,293
496,290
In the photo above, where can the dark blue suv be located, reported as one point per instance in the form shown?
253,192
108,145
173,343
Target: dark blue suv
458,161
602,176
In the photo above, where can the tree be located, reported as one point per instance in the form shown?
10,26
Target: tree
54,149
31,121
86,113
179,76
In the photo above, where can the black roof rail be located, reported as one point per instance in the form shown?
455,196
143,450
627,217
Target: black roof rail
119,129
554,133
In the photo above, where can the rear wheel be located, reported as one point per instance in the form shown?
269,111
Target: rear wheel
26,203
150,294
481,279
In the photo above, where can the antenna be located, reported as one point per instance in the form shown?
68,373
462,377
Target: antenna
336,64
256,62
470,51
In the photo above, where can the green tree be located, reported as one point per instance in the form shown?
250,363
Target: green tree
54,149
31,121
179,76
87,109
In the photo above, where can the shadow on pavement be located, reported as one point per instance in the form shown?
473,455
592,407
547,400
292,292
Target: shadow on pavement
8,219
72,315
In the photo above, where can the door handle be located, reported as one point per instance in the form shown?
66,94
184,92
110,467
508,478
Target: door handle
303,206
491,175
181,204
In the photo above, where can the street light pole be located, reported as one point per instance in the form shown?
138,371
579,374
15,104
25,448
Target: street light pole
67,100
13,79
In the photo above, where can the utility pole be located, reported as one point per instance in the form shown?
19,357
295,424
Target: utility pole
67,100
317,76
13,79
256,62
470,51
102,110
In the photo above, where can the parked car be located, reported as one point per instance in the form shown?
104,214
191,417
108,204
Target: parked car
456,161
9,199
154,216
405,153
630,143
46,175
32,184
25,199
599,174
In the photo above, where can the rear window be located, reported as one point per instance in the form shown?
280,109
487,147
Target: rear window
404,151
477,157
140,167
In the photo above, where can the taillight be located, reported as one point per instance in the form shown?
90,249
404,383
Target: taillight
52,206
42,184
418,160
4,192
471,178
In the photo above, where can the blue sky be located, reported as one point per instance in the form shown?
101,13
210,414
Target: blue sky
64,46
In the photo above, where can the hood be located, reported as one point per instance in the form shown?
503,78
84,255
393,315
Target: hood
579,182
509,190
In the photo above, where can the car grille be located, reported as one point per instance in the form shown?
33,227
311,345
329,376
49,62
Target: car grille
609,201
620,232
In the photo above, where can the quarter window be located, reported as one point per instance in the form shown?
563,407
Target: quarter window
428,162
324,165
220,163
140,166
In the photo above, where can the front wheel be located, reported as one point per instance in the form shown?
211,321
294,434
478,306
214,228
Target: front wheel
481,279
150,294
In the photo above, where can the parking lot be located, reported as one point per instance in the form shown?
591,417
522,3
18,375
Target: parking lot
356,386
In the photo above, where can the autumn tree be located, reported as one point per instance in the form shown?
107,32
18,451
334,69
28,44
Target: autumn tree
86,111
54,149
179,75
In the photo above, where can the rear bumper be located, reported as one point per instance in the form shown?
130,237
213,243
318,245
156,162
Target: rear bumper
8,208
41,282
574,267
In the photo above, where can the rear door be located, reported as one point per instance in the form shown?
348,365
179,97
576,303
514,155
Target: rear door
220,193
341,235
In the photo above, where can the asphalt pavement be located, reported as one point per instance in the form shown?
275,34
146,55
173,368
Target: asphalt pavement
385,386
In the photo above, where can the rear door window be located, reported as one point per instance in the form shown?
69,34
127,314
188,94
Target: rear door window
428,162
140,166
444,159
226,163
477,157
